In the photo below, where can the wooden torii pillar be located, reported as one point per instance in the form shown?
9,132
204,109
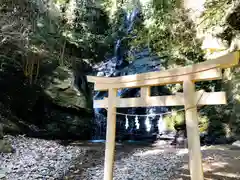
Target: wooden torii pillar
188,75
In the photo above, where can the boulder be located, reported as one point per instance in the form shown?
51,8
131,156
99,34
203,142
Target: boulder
64,109
236,144
63,91
2,174
5,146
57,106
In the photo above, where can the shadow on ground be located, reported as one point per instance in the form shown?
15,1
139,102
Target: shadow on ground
94,156
219,163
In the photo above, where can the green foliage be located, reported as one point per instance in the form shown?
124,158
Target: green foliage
170,33
221,18
215,12
203,124
174,119
232,86
38,32
179,119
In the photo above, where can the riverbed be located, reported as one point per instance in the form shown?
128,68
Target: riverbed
80,160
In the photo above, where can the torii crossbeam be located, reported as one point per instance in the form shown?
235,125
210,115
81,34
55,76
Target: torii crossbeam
205,71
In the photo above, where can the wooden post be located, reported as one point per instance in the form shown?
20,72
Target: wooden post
110,136
145,93
195,157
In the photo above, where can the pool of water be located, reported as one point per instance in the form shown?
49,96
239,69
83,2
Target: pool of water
97,141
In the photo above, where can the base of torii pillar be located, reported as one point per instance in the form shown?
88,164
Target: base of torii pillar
194,148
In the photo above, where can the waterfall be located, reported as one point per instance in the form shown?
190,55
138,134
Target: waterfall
116,66
130,18
99,125
109,70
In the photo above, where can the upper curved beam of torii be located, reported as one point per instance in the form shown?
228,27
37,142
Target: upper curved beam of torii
204,71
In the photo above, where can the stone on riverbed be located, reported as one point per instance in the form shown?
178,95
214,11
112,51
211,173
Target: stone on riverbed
5,147
2,173
236,144
141,164
37,159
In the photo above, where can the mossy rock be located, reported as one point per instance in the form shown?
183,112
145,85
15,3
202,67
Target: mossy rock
1,131
5,146
62,91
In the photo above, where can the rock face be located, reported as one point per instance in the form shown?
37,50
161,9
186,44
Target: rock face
58,106
64,109
61,88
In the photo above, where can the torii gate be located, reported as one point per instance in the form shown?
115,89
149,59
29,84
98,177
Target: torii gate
188,75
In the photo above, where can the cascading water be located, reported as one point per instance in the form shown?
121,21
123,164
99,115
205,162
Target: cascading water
127,127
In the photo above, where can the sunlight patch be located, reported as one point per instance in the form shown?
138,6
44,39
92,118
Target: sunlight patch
150,152
229,175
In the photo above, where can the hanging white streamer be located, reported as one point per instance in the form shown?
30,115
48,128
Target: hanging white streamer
127,123
148,124
137,122
161,125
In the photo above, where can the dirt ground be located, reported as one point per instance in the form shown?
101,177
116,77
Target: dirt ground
219,163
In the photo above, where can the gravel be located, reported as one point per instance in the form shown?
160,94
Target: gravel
142,164
47,160
37,159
